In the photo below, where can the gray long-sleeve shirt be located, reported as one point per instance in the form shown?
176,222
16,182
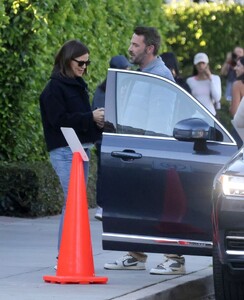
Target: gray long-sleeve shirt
158,67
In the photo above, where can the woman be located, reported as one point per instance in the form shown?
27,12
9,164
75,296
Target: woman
64,102
171,63
205,86
238,86
236,106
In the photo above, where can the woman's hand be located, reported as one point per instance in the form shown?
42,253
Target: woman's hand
208,72
98,117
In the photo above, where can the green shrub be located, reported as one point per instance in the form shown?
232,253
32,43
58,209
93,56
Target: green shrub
31,32
33,189
29,189
207,27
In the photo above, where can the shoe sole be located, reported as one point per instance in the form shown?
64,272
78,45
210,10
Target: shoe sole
125,268
167,273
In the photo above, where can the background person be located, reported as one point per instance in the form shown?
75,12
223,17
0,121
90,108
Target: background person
238,86
64,102
171,62
205,86
237,98
143,51
116,62
228,70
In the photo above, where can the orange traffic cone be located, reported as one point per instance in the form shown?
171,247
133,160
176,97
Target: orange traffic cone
75,260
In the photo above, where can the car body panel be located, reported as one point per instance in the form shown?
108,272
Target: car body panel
156,189
228,218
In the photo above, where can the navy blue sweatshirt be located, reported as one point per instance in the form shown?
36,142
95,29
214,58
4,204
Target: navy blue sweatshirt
64,102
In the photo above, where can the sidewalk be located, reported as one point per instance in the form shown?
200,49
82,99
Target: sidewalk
28,251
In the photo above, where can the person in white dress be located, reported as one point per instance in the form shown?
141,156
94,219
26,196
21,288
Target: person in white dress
205,86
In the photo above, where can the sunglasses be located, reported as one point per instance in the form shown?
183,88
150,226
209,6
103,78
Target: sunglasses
81,63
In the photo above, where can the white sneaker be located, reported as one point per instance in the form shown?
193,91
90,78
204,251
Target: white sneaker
126,262
170,266
56,266
99,213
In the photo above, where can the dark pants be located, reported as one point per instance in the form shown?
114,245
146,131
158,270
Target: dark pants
98,183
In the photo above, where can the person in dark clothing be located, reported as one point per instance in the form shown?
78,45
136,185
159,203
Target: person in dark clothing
64,102
171,62
116,62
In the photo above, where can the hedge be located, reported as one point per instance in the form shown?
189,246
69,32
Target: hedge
207,27
33,189
31,32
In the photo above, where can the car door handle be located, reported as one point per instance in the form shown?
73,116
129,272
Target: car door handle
126,154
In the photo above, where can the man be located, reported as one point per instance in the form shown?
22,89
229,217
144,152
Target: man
143,50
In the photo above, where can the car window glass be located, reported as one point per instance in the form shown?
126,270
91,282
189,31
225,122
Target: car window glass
150,106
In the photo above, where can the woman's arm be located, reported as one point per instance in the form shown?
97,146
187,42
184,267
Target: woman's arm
236,97
239,115
215,88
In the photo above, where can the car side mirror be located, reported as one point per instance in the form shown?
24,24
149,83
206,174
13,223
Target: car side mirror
194,130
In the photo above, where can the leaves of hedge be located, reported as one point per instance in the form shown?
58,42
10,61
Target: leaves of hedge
31,32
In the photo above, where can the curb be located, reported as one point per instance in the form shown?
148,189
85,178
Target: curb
190,286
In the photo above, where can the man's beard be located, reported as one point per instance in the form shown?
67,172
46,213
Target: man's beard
138,60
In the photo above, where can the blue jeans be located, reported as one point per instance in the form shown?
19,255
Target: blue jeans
61,160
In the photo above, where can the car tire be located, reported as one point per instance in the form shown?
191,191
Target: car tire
226,287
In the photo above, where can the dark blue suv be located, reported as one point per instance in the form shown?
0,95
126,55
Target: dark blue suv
161,150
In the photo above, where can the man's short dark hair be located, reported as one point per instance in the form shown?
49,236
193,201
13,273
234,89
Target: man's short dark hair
151,36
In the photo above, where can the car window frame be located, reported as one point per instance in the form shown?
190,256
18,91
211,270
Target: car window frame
110,106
